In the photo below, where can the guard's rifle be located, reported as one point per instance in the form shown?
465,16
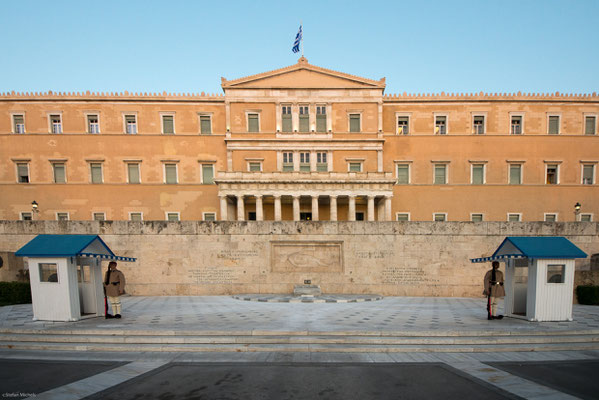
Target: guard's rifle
107,316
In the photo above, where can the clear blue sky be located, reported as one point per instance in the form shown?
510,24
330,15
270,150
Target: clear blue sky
186,46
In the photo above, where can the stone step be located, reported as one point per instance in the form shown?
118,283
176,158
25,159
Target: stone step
300,339
296,347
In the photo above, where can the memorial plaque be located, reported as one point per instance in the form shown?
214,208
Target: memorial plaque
307,256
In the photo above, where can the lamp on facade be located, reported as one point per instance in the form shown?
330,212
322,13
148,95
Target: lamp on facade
34,209
577,208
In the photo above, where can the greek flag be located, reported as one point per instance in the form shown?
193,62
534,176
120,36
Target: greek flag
298,39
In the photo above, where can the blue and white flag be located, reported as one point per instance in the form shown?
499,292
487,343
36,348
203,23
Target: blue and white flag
298,39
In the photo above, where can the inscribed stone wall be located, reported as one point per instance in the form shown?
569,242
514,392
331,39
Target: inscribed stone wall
388,258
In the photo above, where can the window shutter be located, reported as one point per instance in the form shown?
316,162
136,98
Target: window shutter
403,174
59,173
589,126
96,170
133,173
587,174
168,125
205,125
440,174
515,174
354,122
553,125
477,174
253,125
170,171
207,174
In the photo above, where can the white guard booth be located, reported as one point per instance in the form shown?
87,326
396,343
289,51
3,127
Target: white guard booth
66,276
539,276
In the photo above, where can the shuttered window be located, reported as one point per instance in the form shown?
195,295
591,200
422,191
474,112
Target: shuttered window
96,172
287,162
354,122
403,174
440,174
133,173
168,124
515,174
478,174
135,216
588,172
286,119
170,173
305,162
253,123
589,125
439,217
476,218
321,162
553,125
172,216
321,118
59,172
403,217
205,125
99,216
304,119
22,172
355,167
207,174
513,217
254,167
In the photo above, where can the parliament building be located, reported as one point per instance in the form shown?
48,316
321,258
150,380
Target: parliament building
299,143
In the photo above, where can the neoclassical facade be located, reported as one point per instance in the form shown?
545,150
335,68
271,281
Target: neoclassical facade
299,143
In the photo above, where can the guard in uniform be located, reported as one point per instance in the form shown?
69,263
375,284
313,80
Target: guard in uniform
493,290
114,284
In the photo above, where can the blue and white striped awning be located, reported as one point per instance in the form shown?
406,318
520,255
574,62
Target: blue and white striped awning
496,258
107,257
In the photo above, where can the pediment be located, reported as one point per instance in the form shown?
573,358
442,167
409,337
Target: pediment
303,76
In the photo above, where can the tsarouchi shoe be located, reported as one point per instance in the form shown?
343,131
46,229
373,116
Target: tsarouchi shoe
118,316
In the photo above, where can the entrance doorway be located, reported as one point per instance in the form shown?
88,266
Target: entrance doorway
520,286
305,216
87,286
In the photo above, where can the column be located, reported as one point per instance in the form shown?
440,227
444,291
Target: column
352,209
387,208
315,208
240,209
296,208
223,208
333,208
379,166
370,208
259,208
277,208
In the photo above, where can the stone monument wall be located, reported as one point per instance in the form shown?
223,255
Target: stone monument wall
388,258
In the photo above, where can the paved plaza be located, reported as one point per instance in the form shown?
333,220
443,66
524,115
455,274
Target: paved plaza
317,370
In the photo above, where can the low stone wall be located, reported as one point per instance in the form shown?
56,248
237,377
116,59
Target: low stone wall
388,258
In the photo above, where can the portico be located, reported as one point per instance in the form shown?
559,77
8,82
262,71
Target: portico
305,196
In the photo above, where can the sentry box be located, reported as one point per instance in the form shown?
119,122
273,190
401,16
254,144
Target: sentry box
66,276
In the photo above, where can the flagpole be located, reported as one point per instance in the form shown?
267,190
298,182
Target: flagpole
302,39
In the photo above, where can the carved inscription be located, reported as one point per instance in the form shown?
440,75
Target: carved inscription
374,254
212,275
306,256
407,276
236,254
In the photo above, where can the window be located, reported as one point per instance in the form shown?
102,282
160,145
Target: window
402,216
26,216
286,119
48,272
136,216
93,124
354,123
96,172
403,174
253,122
172,216
287,162
304,119
254,166
18,123
304,162
478,174
553,125
355,167
476,217
207,174
168,124
62,216
321,118
556,273
99,216
515,174
170,173
516,125
133,175
552,174
439,217
251,216
131,124
588,174
59,172
586,217
550,217
440,177
590,126
321,162
209,217
403,125
479,124
55,123
206,124
440,125
513,217
305,216
23,172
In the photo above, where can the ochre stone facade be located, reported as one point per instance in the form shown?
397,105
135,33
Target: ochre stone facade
301,142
